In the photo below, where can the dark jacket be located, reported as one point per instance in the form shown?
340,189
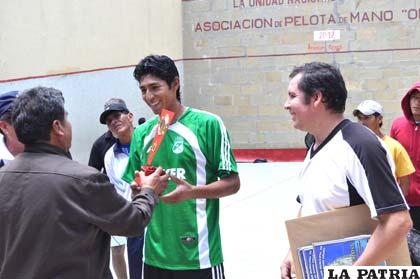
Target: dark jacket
405,130
99,148
56,216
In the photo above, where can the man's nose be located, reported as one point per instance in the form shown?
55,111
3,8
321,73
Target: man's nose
286,104
113,120
148,95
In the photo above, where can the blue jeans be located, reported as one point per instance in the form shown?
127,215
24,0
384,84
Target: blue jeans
135,256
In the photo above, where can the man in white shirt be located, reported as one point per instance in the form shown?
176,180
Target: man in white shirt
346,165
120,123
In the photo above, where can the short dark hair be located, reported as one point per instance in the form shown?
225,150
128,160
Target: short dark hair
34,112
358,113
160,66
323,77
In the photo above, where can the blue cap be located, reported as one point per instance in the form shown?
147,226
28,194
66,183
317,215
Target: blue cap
6,101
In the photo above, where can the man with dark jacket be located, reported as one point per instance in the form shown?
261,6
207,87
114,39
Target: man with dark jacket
56,215
99,148
405,129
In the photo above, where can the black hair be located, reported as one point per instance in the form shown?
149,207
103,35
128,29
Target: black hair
160,66
34,112
357,113
323,77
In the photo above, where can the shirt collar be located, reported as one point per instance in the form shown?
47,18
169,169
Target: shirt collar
121,148
46,148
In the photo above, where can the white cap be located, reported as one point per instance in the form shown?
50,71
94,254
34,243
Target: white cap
368,107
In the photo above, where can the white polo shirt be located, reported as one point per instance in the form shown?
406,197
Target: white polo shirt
350,167
115,161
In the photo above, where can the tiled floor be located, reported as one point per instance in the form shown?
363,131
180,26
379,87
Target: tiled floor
252,221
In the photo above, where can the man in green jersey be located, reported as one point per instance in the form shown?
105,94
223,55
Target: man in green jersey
183,237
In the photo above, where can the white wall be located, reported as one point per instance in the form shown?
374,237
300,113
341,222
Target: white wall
85,95
44,37
41,38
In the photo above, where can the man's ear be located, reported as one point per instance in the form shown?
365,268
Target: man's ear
317,97
175,83
130,116
57,128
3,125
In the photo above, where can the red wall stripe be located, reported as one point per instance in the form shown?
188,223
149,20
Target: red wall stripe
272,155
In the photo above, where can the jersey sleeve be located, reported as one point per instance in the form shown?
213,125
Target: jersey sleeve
220,148
134,161
371,174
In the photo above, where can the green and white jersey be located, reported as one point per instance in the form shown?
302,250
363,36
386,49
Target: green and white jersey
197,149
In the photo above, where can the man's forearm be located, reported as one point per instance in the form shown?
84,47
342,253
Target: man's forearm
221,188
387,237
404,184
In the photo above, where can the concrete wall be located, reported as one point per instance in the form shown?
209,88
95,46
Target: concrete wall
84,96
238,55
65,44
43,37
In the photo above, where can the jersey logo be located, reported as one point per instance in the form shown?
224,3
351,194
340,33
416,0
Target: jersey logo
178,146
188,240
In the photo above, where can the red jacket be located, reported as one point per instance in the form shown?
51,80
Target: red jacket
407,132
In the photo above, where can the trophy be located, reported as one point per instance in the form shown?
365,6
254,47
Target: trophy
165,119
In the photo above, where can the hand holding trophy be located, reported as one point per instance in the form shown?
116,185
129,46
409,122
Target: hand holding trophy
165,120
